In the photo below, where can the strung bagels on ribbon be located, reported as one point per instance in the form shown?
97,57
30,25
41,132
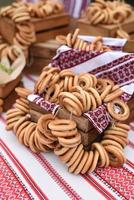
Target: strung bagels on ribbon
81,93
66,132
73,41
77,94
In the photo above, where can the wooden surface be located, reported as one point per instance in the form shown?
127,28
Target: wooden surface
51,33
44,49
83,124
51,22
7,29
6,89
105,30
46,28
129,46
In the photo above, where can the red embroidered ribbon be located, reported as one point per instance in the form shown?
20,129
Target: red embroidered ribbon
46,105
99,118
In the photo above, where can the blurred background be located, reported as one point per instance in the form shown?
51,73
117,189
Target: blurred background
69,4
5,2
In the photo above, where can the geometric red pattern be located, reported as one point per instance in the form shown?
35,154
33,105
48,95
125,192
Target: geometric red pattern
72,58
113,63
99,118
10,185
120,180
120,74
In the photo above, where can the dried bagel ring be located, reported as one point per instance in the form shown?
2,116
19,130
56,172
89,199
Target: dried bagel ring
101,85
99,20
62,125
74,157
123,126
59,150
43,123
66,72
95,16
75,35
93,102
67,98
124,110
121,141
117,158
69,39
72,107
113,95
21,127
61,39
84,46
118,16
80,45
52,93
106,92
109,82
100,150
88,162
77,43
73,104
95,162
82,163
70,141
106,142
114,132
81,95
66,134
85,81
19,122
96,95
101,2
76,163
122,34
117,128
67,155
88,101
29,129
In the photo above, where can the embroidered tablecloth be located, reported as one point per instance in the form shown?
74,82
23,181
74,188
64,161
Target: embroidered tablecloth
25,175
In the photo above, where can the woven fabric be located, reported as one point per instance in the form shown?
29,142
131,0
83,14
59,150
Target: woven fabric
25,175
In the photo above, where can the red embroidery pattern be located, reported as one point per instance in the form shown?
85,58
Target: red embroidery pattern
126,97
99,118
44,104
57,177
112,64
120,180
72,58
10,185
121,74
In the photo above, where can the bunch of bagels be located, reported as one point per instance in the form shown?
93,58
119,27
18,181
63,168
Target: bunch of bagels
77,93
21,14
